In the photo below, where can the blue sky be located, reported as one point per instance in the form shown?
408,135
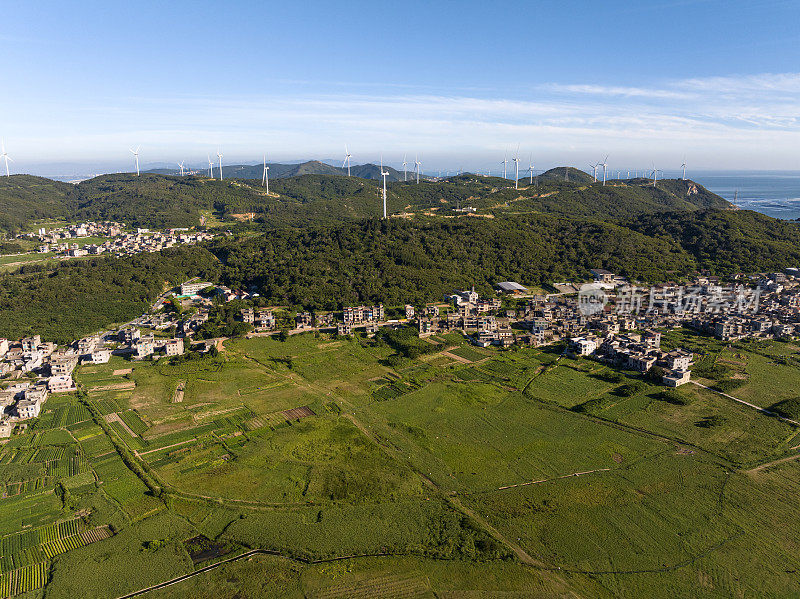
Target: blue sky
461,83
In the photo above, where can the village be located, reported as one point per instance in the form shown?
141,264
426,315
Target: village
111,238
608,320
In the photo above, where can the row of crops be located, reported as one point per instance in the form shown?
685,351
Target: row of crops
63,416
23,548
22,580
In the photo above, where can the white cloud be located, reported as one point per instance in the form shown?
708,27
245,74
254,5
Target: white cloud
722,121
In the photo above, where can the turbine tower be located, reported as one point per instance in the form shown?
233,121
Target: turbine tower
265,176
405,170
210,167
180,166
346,160
219,155
594,170
605,167
683,166
516,168
417,164
135,155
655,175
504,163
4,155
530,169
384,174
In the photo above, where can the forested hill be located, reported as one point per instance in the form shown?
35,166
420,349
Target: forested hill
160,201
396,261
282,171
25,198
400,261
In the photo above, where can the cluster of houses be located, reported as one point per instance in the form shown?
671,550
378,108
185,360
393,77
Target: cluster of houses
622,330
638,352
88,229
128,244
65,241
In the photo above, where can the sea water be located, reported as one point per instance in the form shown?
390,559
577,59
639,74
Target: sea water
774,193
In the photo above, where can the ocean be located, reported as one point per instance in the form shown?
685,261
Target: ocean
775,194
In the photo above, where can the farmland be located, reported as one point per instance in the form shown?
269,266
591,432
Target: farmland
460,470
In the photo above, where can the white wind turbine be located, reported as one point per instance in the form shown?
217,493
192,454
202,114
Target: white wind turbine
594,170
417,165
346,160
405,171
384,174
180,166
265,176
530,168
655,175
210,167
219,156
516,167
136,155
683,166
4,155
504,163
605,167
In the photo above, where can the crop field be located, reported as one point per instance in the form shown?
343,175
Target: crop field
453,467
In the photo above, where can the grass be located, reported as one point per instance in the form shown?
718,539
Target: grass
664,504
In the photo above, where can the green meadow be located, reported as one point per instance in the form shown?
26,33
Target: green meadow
457,473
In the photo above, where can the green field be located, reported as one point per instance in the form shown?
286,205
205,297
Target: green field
517,471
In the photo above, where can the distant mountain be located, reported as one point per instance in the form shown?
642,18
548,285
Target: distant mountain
282,171
566,173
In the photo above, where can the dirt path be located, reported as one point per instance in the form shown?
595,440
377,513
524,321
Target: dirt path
114,417
141,453
772,463
748,404
454,501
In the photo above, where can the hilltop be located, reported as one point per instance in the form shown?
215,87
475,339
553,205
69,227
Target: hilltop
162,201
283,171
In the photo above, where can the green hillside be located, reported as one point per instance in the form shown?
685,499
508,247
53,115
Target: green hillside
161,201
24,198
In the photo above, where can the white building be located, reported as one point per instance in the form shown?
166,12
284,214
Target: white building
28,409
60,384
144,347
194,288
100,356
174,347
581,346
62,364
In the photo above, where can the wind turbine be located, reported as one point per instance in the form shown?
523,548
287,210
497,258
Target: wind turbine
219,155
134,152
417,164
265,176
594,170
655,175
5,156
180,166
683,166
516,167
210,167
504,163
530,169
605,166
405,171
384,174
346,160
